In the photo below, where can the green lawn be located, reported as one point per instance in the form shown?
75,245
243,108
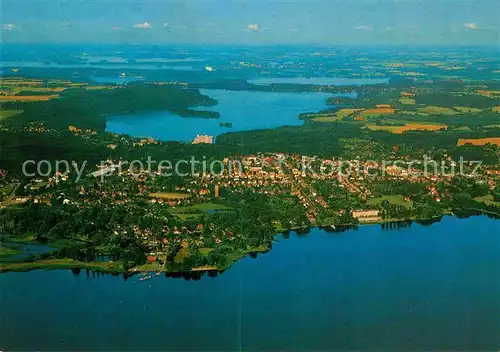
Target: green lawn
204,207
197,210
8,189
183,216
394,199
487,200
4,114
205,251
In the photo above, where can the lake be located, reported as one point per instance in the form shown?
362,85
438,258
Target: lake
421,287
246,110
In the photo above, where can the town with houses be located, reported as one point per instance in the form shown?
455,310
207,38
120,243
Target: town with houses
353,197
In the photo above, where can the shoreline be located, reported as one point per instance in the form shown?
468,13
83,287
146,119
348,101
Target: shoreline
116,268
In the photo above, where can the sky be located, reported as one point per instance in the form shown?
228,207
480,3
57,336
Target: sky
413,22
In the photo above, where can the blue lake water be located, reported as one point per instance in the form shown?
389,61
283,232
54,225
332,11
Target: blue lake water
246,110
321,81
417,288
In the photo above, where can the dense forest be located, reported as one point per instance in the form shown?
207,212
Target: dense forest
87,109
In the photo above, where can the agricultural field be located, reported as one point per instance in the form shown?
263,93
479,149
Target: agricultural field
13,89
18,90
479,141
15,82
347,112
19,82
408,127
197,210
388,128
27,98
377,112
437,110
333,117
424,127
466,109
407,101
327,119
489,93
